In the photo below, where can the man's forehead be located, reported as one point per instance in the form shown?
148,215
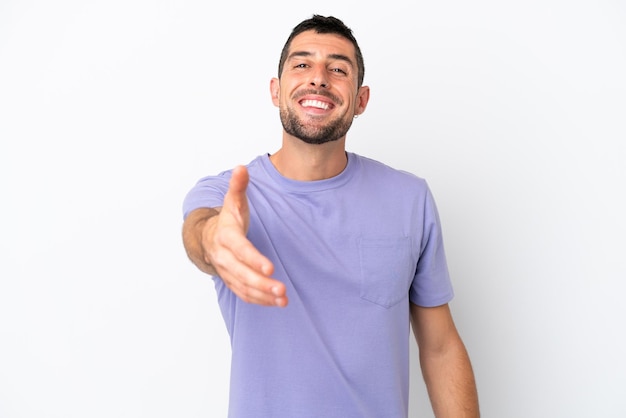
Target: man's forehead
331,44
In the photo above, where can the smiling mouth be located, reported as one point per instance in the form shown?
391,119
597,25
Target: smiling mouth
317,104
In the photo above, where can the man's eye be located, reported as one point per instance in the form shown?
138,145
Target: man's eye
338,70
301,66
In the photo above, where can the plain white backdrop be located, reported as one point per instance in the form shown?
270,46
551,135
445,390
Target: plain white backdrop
515,112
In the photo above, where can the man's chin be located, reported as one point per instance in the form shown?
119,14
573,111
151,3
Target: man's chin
316,141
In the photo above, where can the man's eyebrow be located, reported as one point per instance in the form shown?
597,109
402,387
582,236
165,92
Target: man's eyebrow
340,57
299,54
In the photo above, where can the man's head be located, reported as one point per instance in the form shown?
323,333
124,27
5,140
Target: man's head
319,90
325,25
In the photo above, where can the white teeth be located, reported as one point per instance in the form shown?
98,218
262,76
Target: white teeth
315,103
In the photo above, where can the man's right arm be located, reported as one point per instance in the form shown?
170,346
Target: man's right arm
215,241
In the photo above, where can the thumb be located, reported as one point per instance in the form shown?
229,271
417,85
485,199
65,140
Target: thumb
239,181
236,201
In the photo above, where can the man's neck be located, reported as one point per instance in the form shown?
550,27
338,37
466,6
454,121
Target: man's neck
298,160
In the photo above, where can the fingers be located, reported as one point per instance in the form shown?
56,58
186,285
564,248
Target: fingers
246,271
252,287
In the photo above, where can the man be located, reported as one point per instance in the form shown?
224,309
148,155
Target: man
321,258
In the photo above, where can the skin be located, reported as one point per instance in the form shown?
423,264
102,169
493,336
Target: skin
318,89
445,364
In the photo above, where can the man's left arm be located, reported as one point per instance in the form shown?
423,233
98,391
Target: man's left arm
445,363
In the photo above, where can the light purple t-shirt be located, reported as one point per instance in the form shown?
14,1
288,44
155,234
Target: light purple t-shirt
352,250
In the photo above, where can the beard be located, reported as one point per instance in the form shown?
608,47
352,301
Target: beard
313,134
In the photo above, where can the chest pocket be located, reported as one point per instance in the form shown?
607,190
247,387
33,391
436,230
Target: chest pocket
387,269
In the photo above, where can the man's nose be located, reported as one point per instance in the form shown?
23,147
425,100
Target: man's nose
319,79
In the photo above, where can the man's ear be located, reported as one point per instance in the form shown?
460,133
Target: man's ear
362,97
275,91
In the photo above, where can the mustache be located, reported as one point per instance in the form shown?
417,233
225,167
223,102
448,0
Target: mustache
323,93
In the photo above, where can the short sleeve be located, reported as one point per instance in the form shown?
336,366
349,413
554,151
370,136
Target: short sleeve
208,192
431,285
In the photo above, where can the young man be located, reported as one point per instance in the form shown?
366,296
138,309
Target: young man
322,258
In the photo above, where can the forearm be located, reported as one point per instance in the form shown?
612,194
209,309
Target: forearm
450,382
193,231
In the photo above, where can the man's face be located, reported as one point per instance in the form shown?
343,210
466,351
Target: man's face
317,92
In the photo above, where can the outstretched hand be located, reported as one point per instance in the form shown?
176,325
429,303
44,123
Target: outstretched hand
240,265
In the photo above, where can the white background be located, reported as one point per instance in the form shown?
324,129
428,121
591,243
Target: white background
111,110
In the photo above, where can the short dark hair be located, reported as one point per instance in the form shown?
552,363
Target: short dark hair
327,25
